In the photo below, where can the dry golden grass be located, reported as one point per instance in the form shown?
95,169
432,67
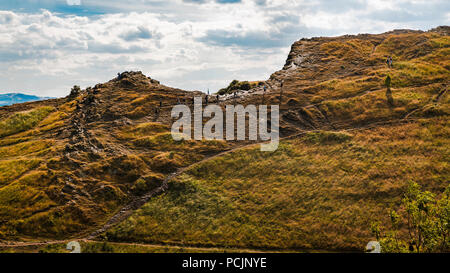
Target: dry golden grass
319,192
25,148
23,121
78,162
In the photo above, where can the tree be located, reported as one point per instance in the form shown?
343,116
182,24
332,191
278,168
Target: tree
427,220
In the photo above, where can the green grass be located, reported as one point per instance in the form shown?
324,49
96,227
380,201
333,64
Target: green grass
236,85
317,192
108,247
23,121
325,137
20,200
346,50
24,148
165,142
11,169
301,196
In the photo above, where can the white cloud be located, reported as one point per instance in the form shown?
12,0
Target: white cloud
73,2
184,44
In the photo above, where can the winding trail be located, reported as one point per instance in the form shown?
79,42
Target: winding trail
181,247
137,203
126,211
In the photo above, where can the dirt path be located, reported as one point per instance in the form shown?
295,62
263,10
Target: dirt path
138,202
26,244
127,210
181,247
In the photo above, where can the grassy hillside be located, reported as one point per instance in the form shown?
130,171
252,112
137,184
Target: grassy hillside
320,191
79,166
68,165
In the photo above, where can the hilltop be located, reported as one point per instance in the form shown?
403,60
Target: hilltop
354,146
85,163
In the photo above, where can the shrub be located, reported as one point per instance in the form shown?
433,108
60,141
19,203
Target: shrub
237,85
427,219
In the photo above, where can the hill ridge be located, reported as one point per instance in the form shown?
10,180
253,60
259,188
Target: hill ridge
83,158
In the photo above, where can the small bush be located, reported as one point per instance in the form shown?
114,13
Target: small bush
237,85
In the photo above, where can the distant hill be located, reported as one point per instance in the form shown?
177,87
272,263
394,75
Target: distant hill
12,98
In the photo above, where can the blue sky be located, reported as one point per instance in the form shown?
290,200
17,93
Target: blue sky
48,46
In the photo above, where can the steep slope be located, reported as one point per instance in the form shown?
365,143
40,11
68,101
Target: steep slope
339,82
323,189
76,166
66,165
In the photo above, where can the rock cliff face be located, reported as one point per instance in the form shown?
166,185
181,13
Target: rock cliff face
339,82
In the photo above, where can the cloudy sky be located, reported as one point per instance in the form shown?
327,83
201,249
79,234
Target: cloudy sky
48,46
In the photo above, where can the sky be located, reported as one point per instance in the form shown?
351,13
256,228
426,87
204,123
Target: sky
48,46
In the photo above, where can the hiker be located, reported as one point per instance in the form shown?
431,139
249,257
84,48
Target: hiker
217,98
118,76
389,61
206,98
281,92
265,88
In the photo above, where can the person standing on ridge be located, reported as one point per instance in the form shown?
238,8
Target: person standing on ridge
281,91
264,93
